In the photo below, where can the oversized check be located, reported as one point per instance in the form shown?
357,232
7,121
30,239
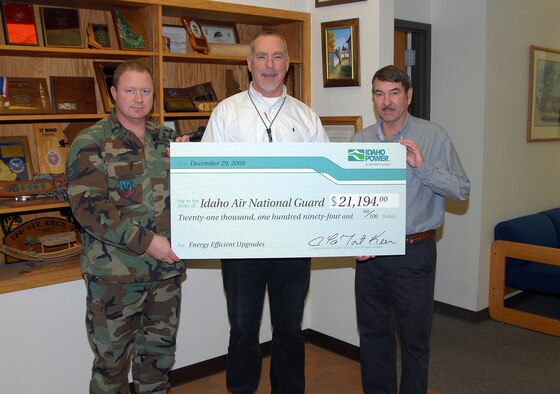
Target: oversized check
240,200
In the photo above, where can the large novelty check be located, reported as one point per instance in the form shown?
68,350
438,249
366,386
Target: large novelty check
238,200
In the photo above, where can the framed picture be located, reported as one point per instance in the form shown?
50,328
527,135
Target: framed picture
544,95
19,24
15,159
341,53
61,27
219,32
104,72
175,38
341,128
129,27
324,3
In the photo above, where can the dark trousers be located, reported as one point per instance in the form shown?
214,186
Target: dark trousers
396,293
245,284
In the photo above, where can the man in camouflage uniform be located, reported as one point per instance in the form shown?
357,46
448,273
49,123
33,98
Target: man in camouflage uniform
119,193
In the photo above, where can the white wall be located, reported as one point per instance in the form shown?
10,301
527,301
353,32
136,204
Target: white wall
413,10
43,341
458,104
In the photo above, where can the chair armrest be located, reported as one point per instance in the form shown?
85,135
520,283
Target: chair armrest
540,254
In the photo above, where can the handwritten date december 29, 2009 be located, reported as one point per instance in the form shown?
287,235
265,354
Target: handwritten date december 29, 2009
349,240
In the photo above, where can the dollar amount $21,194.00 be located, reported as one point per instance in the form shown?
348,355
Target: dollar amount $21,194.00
382,200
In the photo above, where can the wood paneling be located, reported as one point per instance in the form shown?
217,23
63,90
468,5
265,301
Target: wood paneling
170,70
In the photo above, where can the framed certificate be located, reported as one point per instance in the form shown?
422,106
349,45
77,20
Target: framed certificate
176,38
220,32
61,27
341,128
19,24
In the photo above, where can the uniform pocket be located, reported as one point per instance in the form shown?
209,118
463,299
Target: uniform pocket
125,178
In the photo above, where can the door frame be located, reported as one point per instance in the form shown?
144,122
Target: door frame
421,72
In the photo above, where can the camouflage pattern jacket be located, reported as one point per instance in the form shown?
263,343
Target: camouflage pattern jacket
119,193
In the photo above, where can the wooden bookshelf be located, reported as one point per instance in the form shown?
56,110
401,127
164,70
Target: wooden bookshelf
170,70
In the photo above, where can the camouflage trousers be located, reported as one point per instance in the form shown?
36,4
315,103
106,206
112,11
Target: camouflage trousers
135,321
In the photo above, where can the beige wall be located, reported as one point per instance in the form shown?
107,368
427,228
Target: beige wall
519,177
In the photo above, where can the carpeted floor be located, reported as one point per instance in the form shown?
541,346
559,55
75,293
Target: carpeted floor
492,357
468,357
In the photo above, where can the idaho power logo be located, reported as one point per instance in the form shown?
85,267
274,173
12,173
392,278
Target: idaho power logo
374,155
356,154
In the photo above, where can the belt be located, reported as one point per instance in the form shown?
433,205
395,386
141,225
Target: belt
410,239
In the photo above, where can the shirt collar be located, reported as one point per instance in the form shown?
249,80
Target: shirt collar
261,99
397,135
117,127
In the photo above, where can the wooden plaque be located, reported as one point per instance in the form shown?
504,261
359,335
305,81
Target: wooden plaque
24,96
52,148
232,86
202,92
129,27
206,106
73,129
177,100
196,35
61,27
19,24
98,36
104,72
15,159
27,236
73,95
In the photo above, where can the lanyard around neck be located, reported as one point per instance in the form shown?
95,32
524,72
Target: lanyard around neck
269,127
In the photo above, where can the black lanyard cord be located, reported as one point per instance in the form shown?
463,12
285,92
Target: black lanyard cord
269,128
